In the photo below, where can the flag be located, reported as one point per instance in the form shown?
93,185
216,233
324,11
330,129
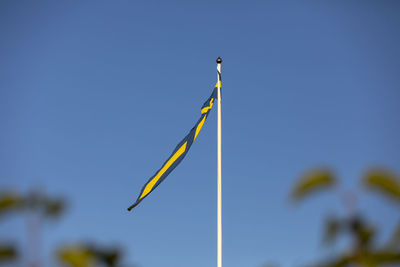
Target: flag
179,152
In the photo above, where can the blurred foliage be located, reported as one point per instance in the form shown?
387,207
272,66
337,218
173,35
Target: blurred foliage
9,201
333,226
387,184
44,206
33,201
88,255
76,256
364,250
313,181
7,253
367,259
383,181
394,241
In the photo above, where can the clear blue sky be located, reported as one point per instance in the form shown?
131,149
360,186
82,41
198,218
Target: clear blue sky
95,95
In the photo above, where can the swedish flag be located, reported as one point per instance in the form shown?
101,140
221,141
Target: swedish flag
179,152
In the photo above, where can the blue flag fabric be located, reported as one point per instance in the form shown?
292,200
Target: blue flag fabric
179,152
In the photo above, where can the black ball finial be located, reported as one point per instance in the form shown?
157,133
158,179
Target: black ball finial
219,60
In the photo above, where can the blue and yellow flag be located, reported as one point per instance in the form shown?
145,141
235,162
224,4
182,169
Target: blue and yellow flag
179,152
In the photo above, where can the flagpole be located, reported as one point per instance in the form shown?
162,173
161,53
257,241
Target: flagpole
219,180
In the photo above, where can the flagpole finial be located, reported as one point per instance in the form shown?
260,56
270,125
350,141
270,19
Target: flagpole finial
219,60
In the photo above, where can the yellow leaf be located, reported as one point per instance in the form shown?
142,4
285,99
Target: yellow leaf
313,181
383,181
76,256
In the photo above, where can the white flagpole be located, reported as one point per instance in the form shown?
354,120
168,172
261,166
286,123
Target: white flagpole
219,201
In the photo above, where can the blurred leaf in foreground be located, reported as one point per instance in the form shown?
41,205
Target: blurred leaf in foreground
76,256
313,181
9,201
394,241
383,181
7,252
35,201
51,207
333,226
86,255
364,250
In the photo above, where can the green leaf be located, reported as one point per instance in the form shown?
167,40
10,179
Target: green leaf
394,241
384,182
9,201
76,256
110,257
377,258
364,259
88,255
7,252
362,232
313,181
333,226
54,208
